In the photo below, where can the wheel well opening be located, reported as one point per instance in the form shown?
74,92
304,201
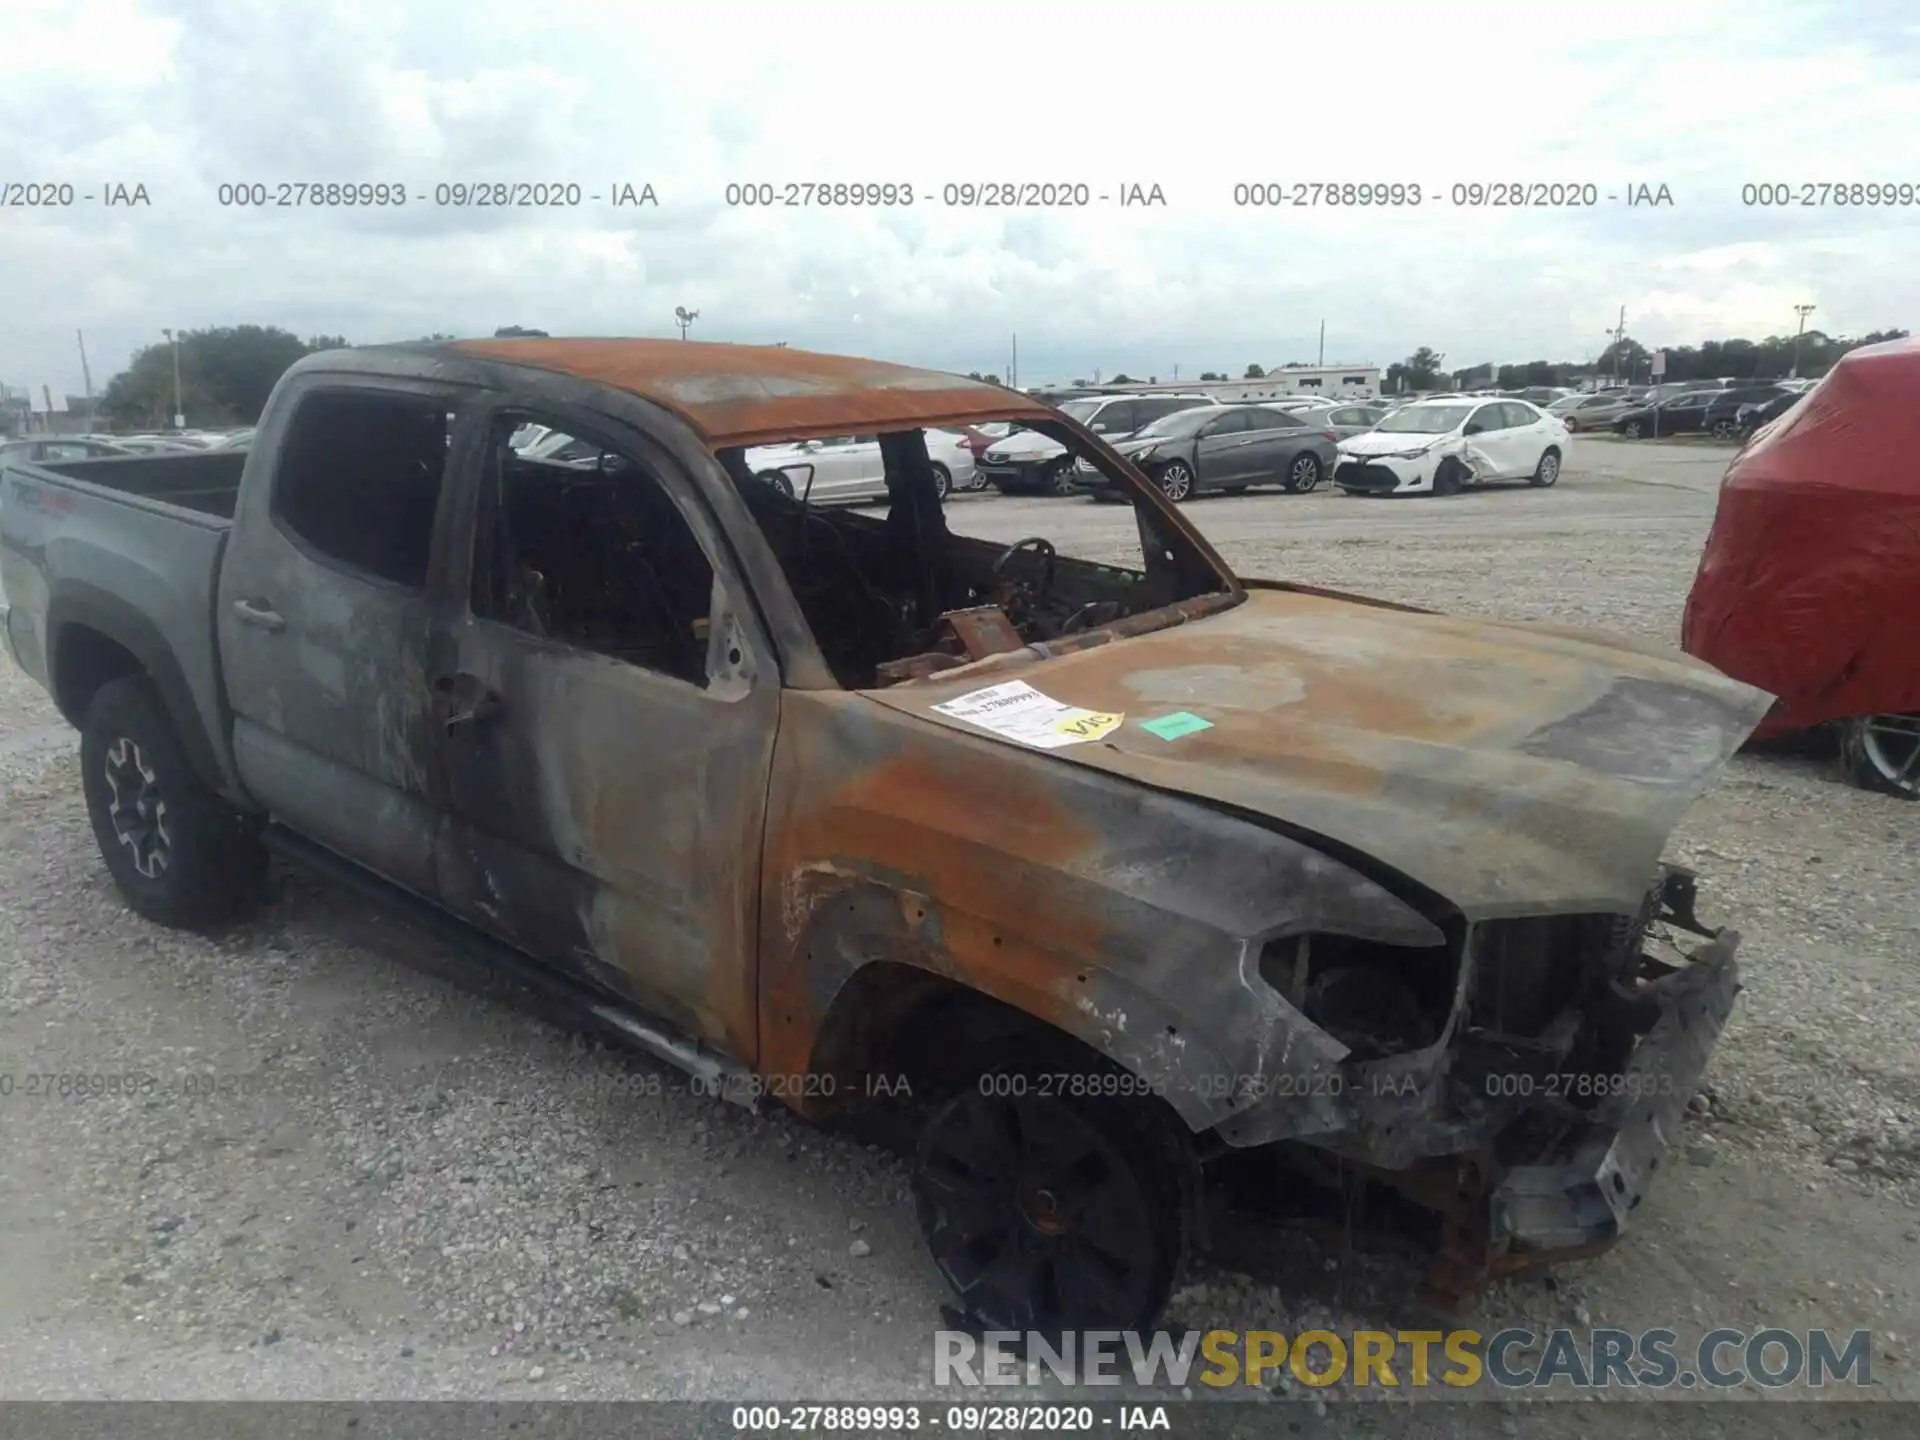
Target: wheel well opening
85,660
893,1022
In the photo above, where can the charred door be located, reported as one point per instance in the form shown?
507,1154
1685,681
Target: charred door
607,706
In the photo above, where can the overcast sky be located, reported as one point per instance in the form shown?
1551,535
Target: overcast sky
184,95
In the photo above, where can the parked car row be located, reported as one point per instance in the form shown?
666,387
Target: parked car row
59,449
1711,411
1196,443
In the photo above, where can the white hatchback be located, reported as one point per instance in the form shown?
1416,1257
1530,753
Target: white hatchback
1439,446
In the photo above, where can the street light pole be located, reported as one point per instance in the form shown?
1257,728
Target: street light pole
1799,335
179,413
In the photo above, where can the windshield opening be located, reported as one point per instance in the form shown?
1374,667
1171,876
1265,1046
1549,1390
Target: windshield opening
893,586
1425,419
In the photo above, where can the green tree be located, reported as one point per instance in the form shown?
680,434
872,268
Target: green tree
226,374
514,332
1419,371
1123,379
1255,372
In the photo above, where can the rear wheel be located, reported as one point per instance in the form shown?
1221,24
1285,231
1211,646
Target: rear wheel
178,853
942,480
1175,480
1725,429
1303,474
1061,481
1882,752
1548,470
1632,429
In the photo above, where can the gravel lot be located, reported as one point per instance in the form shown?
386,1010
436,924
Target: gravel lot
404,1186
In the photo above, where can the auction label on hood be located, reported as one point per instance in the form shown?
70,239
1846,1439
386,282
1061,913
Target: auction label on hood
1021,713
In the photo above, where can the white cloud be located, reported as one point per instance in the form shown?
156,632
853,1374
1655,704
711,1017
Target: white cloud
1702,97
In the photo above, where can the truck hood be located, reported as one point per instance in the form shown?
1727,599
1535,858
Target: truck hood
1510,768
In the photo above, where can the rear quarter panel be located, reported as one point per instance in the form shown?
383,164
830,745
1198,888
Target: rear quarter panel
140,571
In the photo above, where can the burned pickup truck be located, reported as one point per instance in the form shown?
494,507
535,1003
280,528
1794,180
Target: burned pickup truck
1122,866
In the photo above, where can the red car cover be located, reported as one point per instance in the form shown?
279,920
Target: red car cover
1810,584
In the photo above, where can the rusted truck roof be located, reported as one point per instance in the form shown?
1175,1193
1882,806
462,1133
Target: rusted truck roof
750,394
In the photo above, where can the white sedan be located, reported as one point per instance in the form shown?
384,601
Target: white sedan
1436,447
848,468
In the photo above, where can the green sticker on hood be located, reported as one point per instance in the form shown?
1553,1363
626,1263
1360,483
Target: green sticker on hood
1172,727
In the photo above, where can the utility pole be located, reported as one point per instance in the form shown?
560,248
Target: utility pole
1616,335
1013,363
1798,336
1323,344
87,376
179,413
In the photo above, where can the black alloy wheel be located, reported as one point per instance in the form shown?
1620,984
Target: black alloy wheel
1046,1213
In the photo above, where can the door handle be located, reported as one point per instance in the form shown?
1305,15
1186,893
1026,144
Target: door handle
259,613
1238,443
469,702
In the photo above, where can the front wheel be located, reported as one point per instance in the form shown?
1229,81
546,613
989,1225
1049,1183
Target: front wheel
1882,752
1446,480
1175,480
1725,429
179,855
1631,430
1048,1213
1303,474
1548,470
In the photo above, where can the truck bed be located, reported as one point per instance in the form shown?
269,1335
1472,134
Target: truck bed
130,548
208,483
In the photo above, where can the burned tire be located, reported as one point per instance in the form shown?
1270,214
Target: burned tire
178,853
1882,752
1049,1212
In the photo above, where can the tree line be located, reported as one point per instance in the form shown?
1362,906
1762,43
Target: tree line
1627,361
226,374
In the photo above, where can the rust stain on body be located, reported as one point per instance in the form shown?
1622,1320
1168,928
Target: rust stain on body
748,394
